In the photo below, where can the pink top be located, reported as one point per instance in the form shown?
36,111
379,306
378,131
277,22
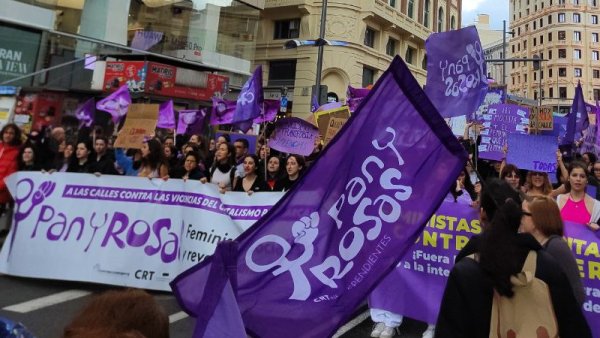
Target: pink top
575,212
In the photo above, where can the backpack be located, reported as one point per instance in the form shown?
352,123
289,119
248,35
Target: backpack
529,313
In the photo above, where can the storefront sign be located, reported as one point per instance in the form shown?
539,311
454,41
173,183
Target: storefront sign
132,73
18,54
162,80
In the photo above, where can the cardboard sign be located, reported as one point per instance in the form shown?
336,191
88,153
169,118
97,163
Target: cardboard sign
537,153
540,118
335,124
322,117
140,122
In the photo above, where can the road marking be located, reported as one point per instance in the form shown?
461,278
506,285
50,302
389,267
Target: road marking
351,324
177,317
42,302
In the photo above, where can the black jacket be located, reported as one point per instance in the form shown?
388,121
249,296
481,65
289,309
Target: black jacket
467,302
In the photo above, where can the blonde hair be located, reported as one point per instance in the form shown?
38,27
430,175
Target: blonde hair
546,188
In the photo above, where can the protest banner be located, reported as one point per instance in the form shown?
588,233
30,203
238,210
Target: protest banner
415,288
335,124
529,152
118,230
322,117
293,135
335,235
540,118
494,95
139,124
500,121
456,72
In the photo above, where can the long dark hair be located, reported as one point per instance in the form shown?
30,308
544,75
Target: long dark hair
34,149
572,166
500,256
155,157
17,139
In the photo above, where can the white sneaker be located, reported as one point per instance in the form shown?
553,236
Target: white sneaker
377,330
388,332
430,332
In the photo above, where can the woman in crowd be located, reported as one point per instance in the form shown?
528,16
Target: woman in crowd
510,173
9,152
81,162
589,159
541,218
29,159
252,181
62,163
463,190
577,206
153,164
190,166
201,144
223,170
294,165
500,252
274,171
170,152
538,184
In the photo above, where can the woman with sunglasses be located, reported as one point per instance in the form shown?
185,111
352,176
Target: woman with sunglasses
541,219
538,184
577,206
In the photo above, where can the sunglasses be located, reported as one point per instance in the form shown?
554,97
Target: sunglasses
538,174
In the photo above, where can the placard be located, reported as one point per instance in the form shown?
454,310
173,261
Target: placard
540,118
140,123
335,124
532,152
322,117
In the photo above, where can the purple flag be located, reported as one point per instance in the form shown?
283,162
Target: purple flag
190,118
314,104
269,111
577,118
222,111
354,97
500,121
328,242
295,136
144,40
166,115
456,71
249,102
116,104
86,113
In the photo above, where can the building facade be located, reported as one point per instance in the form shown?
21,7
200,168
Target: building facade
565,33
493,48
375,31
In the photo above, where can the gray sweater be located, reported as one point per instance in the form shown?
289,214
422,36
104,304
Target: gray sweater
558,248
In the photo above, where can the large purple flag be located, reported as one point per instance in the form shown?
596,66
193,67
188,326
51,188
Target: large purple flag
189,118
456,71
295,136
116,104
166,115
144,40
354,96
86,113
307,264
577,118
250,100
269,111
222,111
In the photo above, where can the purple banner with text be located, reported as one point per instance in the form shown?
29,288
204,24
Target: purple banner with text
500,121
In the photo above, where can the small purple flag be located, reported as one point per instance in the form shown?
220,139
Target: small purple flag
249,102
269,111
188,119
456,71
144,40
222,111
354,97
166,115
116,104
314,104
86,113
328,242
577,118
295,136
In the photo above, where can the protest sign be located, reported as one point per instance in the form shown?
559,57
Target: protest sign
415,288
124,231
494,95
322,117
335,124
295,136
456,71
500,121
139,124
540,118
329,241
529,152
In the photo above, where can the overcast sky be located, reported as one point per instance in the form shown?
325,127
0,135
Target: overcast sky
497,9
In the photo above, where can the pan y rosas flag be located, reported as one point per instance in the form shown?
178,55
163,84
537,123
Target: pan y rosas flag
305,266
116,104
86,113
456,72
250,101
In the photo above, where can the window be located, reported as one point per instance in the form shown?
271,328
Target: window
561,17
562,72
390,48
562,35
287,29
562,92
534,76
440,23
596,74
594,37
370,37
534,42
549,36
541,39
534,25
392,3
576,54
541,22
411,53
594,19
577,72
424,62
368,76
562,53
453,22
576,36
426,13
513,48
596,94
282,73
551,92
576,17
595,55
411,9
550,72
525,45
549,55
550,19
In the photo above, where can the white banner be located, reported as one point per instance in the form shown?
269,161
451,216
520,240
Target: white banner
125,231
